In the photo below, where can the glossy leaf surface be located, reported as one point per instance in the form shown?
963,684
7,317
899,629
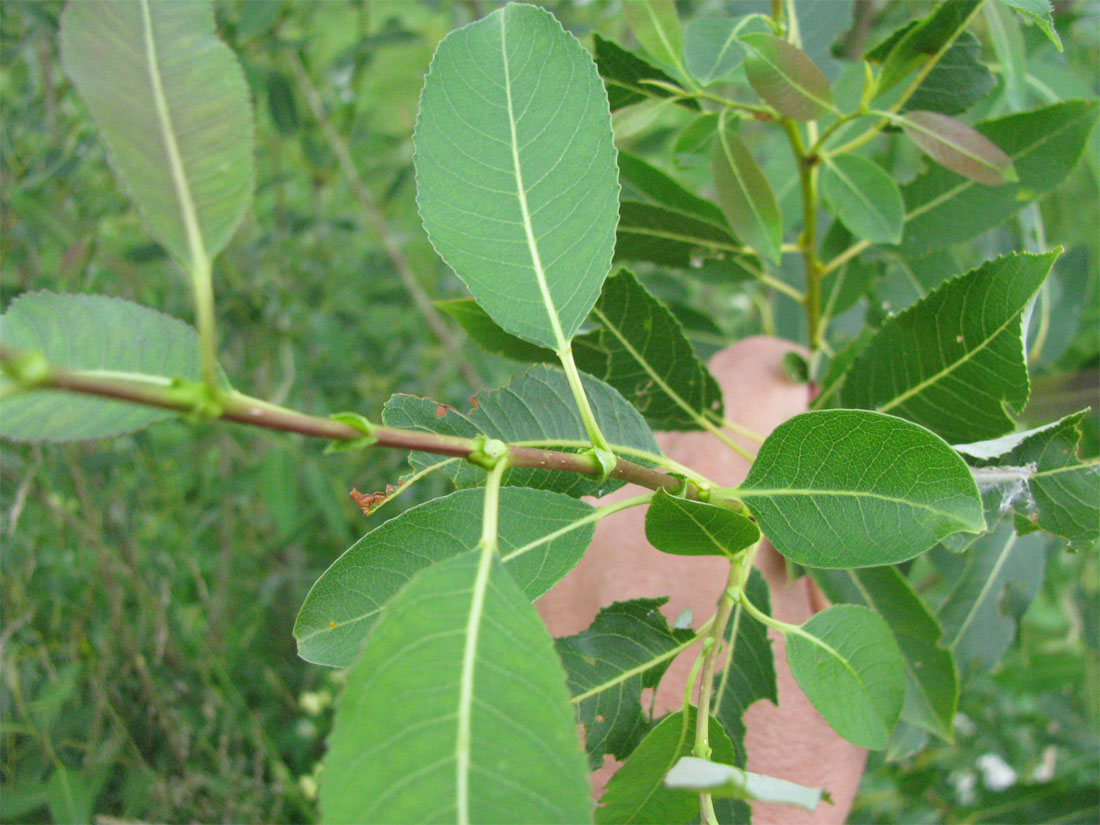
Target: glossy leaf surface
852,672
952,361
527,220
542,535
695,528
623,638
98,334
171,102
845,488
864,197
483,707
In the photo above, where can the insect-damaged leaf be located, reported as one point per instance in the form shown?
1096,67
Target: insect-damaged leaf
542,535
961,149
172,104
846,488
953,360
786,78
482,707
515,166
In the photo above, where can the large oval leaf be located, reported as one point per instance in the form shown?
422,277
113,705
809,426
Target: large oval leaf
955,359
457,704
515,166
92,333
172,104
845,488
848,665
785,77
542,535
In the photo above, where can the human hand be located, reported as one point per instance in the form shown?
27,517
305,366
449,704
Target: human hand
790,741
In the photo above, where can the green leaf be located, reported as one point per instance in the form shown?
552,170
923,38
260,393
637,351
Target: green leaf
622,641
527,220
637,793
953,360
703,776
1045,144
711,50
624,74
536,405
695,528
1001,576
916,42
745,196
958,80
542,535
749,668
845,488
91,333
649,359
931,681
476,323
864,198
785,77
172,104
663,236
482,708
1043,479
847,663
662,189
961,149
1039,13
657,27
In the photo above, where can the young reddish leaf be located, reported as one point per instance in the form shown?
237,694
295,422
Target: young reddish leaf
786,78
745,196
961,149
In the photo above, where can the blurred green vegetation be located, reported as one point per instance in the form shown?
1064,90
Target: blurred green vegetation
150,583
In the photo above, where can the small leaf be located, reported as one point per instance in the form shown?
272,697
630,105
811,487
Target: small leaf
623,637
1044,145
1000,576
637,793
527,221
711,50
864,197
745,196
953,360
483,706
92,333
931,681
536,405
625,73
695,528
703,776
542,535
785,78
961,149
848,665
877,490
647,358
172,104
1039,13
657,27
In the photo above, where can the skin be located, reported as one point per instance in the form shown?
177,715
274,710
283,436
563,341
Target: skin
790,741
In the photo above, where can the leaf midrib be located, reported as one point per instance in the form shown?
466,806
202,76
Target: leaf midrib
750,492
827,105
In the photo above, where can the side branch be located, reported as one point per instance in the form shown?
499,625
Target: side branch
230,405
